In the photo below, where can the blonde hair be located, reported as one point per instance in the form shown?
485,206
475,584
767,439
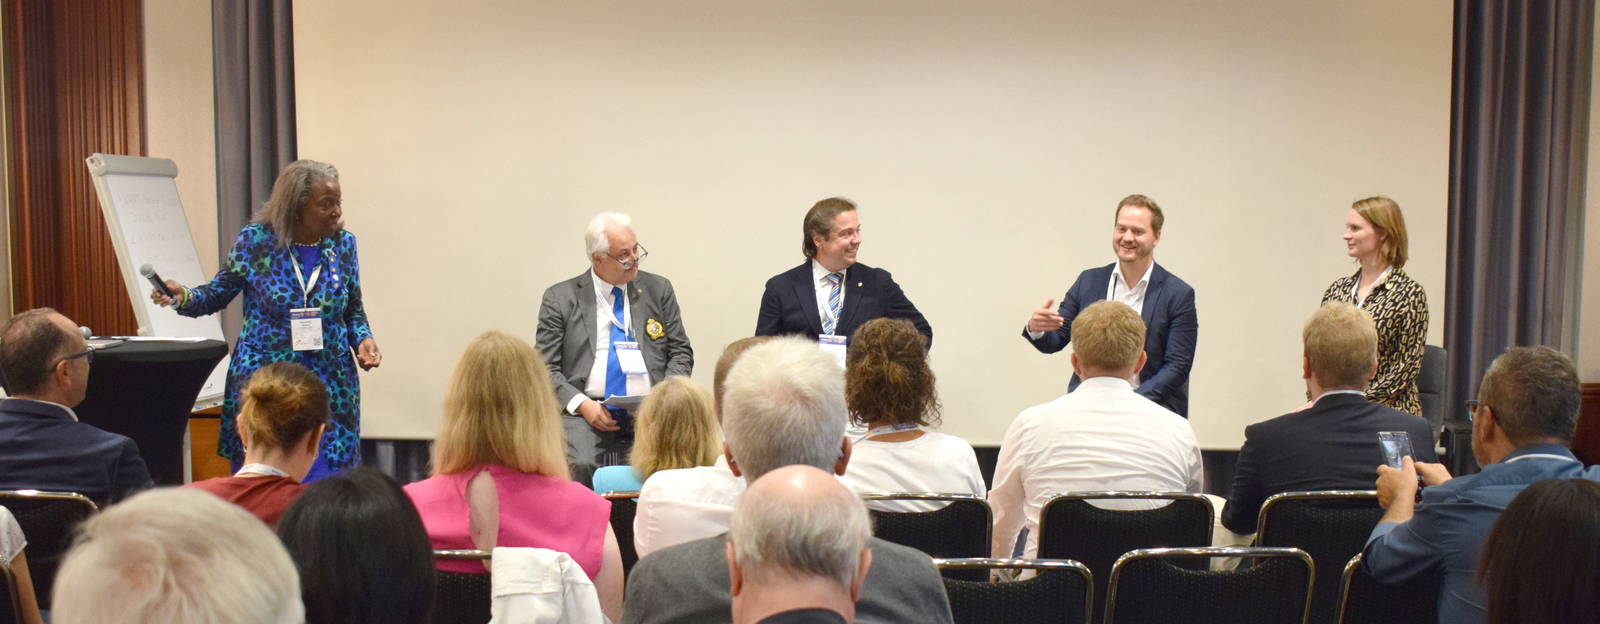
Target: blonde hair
1385,216
1341,342
675,428
500,410
1108,335
282,404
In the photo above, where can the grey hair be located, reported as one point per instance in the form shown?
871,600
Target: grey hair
179,556
784,405
289,196
776,536
598,238
1534,394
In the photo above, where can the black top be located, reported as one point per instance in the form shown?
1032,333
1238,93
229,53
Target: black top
805,616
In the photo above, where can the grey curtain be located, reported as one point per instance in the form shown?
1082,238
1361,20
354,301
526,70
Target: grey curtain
253,49
1518,152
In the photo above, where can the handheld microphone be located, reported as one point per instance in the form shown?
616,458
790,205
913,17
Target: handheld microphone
149,273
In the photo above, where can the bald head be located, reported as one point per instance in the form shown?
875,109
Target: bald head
796,522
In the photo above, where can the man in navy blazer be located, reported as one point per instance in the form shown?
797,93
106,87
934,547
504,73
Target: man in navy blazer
1332,445
831,293
42,444
1165,303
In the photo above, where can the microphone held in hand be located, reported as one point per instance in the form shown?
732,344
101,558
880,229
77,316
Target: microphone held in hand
149,273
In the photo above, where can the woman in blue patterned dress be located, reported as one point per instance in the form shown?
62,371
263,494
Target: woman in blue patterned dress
294,263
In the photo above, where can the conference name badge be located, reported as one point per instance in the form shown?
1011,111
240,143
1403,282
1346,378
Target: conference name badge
834,346
305,329
652,328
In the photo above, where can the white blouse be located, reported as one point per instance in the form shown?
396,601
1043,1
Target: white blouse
11,539
933,462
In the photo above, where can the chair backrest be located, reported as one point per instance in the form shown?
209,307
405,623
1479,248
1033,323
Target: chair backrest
464,598
1060,592
1150,586
1430,386
624,505
1330,526
959,529
49,520
1363,600
1072,528
10,600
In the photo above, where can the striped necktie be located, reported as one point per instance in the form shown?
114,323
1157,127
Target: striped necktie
835,297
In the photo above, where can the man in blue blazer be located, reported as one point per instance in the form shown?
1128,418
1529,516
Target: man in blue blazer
42,444
831,293
1165,303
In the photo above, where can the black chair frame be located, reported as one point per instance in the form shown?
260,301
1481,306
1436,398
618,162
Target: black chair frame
46,548
1326,591
448,611
1278,499
1242,552
623,510
1047,528
1412,612
1038,565
954,499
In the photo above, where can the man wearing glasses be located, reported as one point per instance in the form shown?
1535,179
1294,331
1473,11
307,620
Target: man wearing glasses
831,294
42,445
612,331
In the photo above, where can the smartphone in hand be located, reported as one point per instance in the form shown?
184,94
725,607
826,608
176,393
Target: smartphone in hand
1396,445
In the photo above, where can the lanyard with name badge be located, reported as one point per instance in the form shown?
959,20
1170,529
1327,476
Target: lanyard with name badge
260,469
305,324
888,429
834,346
629,357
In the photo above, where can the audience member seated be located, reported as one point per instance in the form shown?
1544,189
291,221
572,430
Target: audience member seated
1102,436
784,406
889,388
42,444
678,506
675,428
1522,421
797,549
500,473
363,555
12,543
280,423
1541,560
1334,444
176,556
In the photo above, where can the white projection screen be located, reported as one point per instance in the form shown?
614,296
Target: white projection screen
987,144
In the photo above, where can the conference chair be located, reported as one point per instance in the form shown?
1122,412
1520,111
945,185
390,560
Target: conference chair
1364,600
1430,387
10,600
463,598
1330,526
959,529
1163,585
1059,592
48,519
1072,528
624,505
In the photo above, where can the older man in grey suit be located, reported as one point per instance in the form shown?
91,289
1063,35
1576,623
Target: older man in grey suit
595,329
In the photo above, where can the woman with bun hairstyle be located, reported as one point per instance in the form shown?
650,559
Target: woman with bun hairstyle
1375,235
283,416
500,470
676,427
889,389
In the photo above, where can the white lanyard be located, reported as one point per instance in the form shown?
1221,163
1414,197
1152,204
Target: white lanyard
613,315
260,469
1540,456
305,287
887,429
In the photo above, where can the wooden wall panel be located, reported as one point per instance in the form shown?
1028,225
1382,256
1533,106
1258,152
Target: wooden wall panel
74,85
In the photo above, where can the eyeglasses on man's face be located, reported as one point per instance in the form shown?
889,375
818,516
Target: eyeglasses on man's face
631,257
87,354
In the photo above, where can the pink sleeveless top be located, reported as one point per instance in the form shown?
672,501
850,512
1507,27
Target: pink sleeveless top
536,511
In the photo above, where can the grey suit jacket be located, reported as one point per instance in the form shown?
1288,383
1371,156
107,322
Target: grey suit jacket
688,584
567,331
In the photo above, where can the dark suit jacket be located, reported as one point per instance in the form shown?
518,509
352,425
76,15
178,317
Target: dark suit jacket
43,448
688,584
567,331
1332,445
789,305
1171,328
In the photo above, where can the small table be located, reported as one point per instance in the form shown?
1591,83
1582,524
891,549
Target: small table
145,390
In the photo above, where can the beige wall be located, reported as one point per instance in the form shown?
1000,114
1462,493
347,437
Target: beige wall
986,143
180,117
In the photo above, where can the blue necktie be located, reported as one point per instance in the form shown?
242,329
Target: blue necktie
616,382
